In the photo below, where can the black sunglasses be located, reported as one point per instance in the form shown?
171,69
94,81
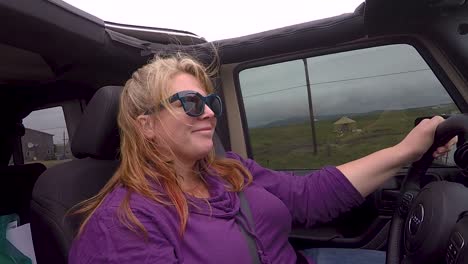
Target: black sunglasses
194,103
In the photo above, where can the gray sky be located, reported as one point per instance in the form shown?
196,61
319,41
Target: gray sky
381,78
49,120
215,19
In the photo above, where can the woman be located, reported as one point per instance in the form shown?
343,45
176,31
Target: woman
172,201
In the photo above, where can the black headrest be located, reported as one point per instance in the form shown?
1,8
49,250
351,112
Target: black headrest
97,135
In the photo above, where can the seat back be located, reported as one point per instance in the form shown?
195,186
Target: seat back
16,181
16,185
59,188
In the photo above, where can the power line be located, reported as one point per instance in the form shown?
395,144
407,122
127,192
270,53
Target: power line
275,91
342,80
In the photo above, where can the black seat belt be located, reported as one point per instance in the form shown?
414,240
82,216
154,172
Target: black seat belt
244,205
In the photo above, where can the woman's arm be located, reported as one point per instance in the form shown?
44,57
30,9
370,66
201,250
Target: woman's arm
324,194
319,196
368,173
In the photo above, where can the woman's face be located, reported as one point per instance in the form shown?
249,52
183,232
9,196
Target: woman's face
190,138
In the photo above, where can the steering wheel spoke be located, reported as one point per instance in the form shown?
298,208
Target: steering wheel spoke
405,204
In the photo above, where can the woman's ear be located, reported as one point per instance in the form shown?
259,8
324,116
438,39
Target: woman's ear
147,125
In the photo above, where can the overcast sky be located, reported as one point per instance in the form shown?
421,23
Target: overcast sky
215,19
374,79
50,120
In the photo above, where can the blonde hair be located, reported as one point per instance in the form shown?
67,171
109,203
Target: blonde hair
142,160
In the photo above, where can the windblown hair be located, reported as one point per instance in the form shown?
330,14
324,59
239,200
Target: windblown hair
143,161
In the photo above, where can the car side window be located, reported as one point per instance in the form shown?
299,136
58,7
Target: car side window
46,137
331,109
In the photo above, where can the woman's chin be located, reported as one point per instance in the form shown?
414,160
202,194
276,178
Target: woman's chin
199,149
204,150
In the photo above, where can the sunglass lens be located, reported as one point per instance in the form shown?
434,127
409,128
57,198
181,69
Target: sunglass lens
193,105
214,102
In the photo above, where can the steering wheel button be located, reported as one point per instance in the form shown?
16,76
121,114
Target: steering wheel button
449,259
457,240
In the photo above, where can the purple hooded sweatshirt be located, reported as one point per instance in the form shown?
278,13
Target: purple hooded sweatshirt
212,234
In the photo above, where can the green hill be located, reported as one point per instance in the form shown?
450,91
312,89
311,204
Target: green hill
290,146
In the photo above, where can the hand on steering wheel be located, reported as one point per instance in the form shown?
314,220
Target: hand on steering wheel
421,226
420,139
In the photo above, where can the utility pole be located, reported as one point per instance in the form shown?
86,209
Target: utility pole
64,144
311,109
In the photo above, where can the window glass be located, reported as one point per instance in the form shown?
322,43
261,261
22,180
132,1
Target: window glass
46,137
357,102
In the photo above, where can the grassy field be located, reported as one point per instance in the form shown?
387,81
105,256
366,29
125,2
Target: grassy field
291,146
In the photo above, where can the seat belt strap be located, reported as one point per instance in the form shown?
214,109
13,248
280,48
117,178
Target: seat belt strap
244,205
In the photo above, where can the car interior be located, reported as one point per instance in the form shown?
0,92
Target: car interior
296,98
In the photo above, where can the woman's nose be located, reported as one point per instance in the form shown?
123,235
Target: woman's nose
208,113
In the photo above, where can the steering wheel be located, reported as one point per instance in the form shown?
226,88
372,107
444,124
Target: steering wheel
421,228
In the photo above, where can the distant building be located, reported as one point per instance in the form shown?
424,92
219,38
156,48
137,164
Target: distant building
37,145
344,124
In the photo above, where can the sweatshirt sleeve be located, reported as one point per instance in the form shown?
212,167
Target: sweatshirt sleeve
106,240
319,196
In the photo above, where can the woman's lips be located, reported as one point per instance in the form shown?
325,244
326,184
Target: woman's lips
203,129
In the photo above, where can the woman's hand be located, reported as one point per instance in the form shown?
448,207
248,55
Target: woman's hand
440,151
420,139
368,173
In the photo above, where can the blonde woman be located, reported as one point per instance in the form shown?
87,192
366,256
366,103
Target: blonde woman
172,201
